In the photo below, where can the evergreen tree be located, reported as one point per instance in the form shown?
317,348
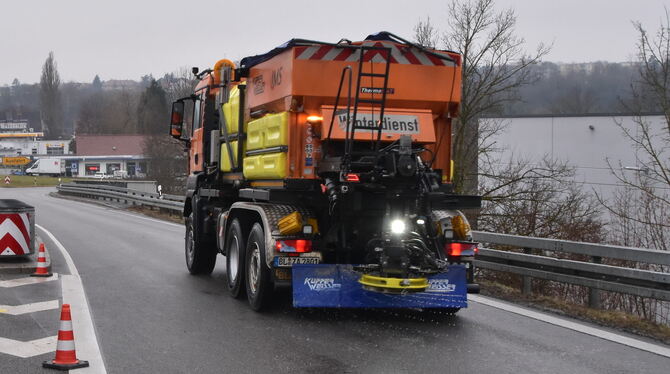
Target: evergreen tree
97,84
152,111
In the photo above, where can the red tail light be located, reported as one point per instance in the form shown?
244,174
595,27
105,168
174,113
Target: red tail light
460,249
352,178
294,246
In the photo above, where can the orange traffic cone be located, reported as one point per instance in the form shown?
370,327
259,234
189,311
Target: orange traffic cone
41,270
66,356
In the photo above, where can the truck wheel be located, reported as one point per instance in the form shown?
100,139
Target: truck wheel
259,286
200,258
235,249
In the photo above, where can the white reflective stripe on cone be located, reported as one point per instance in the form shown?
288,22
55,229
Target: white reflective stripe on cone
65,325
65,345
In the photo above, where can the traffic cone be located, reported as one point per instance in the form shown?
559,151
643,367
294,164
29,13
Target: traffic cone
41,270
66,356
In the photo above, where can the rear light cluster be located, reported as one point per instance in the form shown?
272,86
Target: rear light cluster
460,249
294,246
352,177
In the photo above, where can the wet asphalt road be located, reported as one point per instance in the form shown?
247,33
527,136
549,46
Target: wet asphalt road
151,316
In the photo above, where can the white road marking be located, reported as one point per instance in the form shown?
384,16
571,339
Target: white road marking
579,327
28,349
84,330
68,260
27,280
16,310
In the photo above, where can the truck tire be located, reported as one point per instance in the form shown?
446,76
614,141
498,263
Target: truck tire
259,285
200,258
235,250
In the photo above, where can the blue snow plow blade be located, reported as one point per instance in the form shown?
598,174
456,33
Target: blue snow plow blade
336,286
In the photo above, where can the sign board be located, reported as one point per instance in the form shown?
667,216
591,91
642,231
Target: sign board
338,286
8,180
417,123
21,134
15,160
13,125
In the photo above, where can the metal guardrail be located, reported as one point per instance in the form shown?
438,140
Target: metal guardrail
532,262
169,202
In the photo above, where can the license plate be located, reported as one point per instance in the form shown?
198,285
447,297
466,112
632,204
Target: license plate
290,261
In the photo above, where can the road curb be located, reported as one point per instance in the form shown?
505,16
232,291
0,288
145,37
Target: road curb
23,264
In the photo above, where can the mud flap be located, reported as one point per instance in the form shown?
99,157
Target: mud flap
336,286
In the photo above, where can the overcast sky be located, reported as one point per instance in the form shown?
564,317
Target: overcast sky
124,39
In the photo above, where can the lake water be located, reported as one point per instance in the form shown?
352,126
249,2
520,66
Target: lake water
586,143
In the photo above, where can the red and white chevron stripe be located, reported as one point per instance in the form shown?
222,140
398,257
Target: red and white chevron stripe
400,54
14,234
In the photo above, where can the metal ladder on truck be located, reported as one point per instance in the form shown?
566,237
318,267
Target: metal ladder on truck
355,157
376,106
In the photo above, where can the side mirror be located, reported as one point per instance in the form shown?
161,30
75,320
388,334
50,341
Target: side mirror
177,120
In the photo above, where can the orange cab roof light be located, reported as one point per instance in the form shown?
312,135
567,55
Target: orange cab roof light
219,65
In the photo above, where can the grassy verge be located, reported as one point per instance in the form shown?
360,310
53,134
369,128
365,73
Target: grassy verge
619,320
157,214
29,181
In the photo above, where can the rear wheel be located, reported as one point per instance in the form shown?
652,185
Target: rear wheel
259,286
235,249
200,257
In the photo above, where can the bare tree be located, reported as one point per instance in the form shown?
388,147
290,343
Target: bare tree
168,161
179,83
90,115
575,100
495,65
640,210
112,112
643,205
539,200
425,34
50,99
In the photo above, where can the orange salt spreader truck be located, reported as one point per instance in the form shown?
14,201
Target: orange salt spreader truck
326,167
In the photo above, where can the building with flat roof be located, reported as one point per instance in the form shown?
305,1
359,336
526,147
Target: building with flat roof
20,144
107,154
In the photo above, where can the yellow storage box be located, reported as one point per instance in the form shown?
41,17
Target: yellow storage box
290,224
225,160
254,137
231,110
268,131
267,166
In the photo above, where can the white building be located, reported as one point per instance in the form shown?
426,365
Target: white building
20,144
31,145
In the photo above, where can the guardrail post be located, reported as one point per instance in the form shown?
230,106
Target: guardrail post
594,293
527,281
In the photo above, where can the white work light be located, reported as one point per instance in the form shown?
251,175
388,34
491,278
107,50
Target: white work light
397,226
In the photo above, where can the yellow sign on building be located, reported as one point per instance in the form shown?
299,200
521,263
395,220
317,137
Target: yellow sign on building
15,161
